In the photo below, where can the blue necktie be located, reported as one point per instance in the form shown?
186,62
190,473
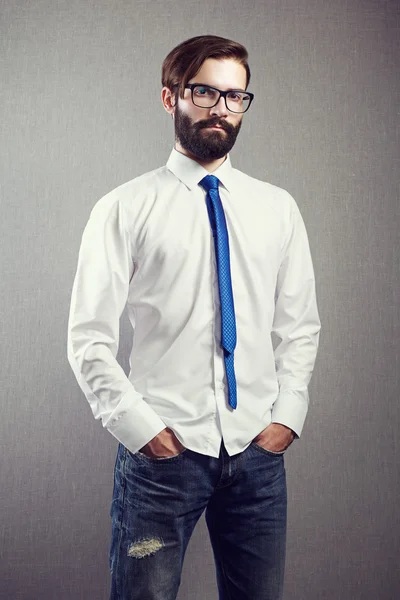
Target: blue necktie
228,325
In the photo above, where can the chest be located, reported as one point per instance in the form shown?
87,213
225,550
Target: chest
174,237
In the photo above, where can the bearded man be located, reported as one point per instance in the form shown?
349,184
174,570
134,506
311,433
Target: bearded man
209,263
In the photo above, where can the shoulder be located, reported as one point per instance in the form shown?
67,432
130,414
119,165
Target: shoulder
122,197
278,198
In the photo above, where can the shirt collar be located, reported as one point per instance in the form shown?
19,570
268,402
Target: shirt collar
191,173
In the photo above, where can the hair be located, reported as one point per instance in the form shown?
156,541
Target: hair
184,61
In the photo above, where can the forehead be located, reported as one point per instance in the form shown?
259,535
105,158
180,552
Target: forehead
225,74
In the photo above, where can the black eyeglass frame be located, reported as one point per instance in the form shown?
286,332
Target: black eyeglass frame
191,86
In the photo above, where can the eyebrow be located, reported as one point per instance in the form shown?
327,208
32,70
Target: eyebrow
215,88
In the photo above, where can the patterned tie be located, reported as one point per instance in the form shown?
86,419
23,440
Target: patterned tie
228,325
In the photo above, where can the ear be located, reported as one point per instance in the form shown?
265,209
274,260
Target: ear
168,100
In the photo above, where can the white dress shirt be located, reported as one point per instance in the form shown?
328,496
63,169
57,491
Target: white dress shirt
148,244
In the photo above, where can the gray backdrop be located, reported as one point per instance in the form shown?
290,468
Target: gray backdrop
81,114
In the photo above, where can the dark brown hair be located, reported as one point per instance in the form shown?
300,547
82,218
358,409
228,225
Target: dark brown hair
184,61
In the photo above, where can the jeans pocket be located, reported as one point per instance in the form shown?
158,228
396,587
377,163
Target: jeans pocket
266,451
160,458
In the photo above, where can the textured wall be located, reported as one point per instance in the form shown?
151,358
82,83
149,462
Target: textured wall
81,113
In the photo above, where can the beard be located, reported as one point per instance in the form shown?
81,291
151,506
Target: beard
202,143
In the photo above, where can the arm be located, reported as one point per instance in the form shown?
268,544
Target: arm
296,324
100,290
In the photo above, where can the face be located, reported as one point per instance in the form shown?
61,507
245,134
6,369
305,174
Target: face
210,133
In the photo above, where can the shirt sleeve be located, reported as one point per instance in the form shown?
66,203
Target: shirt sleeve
296,325
99,294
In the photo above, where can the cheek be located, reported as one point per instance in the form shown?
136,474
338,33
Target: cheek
192,111
235,121
199,114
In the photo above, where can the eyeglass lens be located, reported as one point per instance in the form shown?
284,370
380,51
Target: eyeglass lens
206,97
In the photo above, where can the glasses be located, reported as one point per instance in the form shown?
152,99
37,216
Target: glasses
206,96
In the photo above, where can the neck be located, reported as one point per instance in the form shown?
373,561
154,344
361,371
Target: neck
209,165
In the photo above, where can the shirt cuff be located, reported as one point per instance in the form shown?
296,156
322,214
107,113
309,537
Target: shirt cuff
290,409
134,423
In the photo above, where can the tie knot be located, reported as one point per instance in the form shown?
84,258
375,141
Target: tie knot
209,182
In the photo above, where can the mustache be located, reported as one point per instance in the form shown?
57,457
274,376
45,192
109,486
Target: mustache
216,121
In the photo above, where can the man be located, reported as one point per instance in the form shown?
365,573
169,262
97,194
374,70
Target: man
209,262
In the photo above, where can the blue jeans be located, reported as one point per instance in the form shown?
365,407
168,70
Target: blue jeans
158,501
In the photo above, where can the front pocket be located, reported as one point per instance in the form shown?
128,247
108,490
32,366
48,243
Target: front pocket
161,458
265,451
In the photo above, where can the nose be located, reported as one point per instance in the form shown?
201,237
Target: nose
220,108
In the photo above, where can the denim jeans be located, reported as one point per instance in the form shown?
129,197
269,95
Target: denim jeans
158,501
